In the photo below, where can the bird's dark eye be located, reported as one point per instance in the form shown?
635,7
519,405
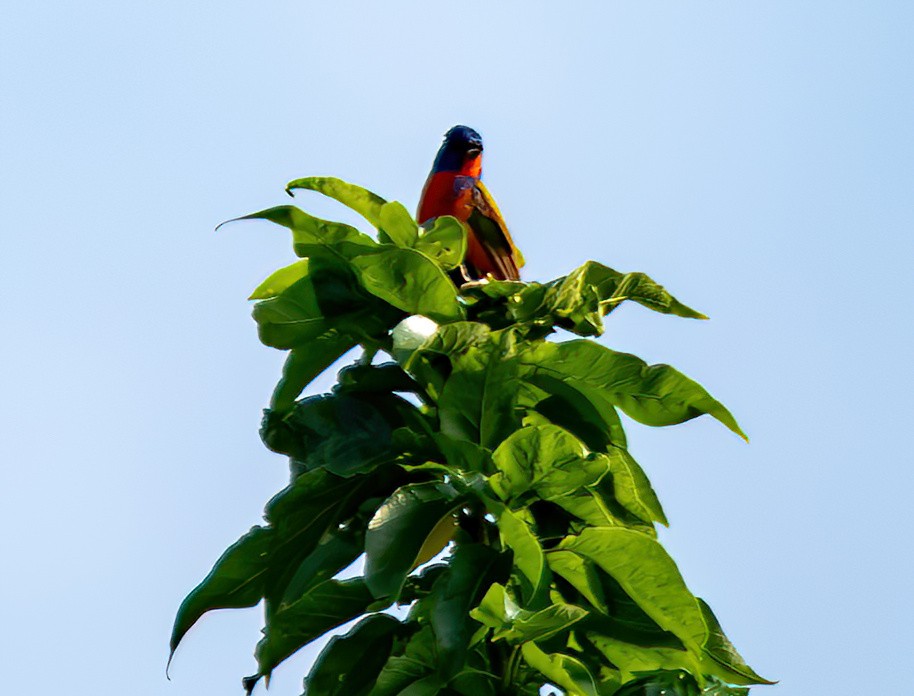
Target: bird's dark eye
474,151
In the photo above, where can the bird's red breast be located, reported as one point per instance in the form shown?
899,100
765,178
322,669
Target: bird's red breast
454,188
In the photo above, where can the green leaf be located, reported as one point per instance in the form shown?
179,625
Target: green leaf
336,550
495,608
460,588
597,425
322,608
581,573
399,225
644,570
327,299
477,401
614,287
417,662
543,624
410,281
547,459
730,665
345,434
236,580
634,659
313,237
654,395
304,364
562,670
316,503
597,506
362,201
367,645
594,289
445,242
672,682
528,554
279,280
632,488
398,531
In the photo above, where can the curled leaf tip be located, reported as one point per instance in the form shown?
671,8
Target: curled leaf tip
289,191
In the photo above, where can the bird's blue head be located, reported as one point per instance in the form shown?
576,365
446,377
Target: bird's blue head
462,147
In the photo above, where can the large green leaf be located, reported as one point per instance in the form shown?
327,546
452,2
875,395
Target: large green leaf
315,504
547,459
464,364
445,242
362,201
653,395
562,670
237,580
633,659
325,300
398,224
543,624
498,611
410,281
367,645
281,279
597,506
647,574
594,289
632,488
398,532
729,663
313,237
322,608
597,425
528,554
461,587
414,665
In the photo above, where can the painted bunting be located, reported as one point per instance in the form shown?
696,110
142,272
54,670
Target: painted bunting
454,188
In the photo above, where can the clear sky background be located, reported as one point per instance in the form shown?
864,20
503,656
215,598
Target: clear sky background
755,157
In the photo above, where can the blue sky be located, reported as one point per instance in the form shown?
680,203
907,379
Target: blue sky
755,157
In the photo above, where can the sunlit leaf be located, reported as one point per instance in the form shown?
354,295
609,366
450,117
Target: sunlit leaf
314,237
409,281
528,554
398,224
547,459
444,242
733,667
651,394
562,670
648,575
362,201
279,280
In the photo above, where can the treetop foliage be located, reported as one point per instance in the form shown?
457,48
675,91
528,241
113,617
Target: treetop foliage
481,471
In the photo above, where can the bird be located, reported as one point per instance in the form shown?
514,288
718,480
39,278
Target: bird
454,187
